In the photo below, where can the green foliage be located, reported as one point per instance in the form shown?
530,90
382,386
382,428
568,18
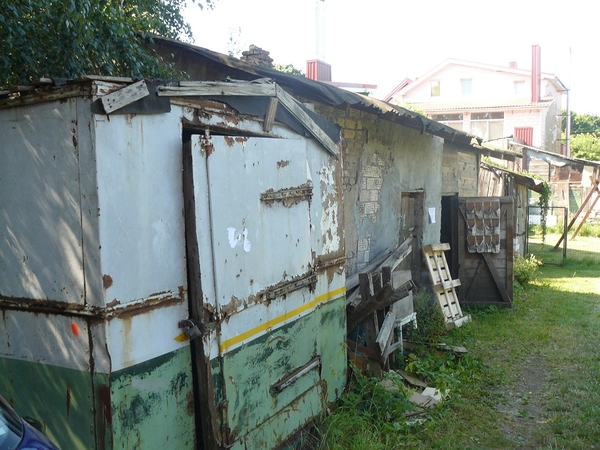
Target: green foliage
582,123
288,68
366,411
431,326
444,370
526,269
585,146
544,204
585,136
71,38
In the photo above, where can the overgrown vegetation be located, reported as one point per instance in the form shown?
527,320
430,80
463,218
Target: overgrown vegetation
526,269
528,381
71,38
585,136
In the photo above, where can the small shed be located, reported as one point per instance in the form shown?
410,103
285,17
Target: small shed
171,266
403,174
500,181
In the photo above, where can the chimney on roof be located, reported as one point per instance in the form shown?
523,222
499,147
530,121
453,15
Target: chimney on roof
536,73
318,70
257,56
512,64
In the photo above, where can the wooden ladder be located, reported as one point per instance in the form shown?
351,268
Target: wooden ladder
443,285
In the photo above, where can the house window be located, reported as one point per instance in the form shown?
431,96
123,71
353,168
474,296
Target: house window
488,125
435,88
519,88
466,86
452,120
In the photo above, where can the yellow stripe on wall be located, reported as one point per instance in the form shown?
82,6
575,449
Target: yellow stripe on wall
225,345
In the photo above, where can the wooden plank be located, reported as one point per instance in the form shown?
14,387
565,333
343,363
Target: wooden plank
124,96
475,281
355,347
382,298
292,105
396,258
353,281
437,247
211,88
501,288
387,327
270,115
581,208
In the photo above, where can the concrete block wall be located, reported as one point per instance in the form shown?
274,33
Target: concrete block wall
381,160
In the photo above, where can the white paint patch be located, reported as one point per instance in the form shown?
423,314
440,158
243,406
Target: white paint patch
242,237
329,220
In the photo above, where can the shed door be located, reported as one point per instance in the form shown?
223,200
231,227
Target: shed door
485,243
252,199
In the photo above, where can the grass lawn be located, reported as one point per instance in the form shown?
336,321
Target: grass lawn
531,379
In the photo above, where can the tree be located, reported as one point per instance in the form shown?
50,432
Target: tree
288,68
71,38
585,136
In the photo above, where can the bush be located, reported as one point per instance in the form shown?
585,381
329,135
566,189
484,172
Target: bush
431,325
526,269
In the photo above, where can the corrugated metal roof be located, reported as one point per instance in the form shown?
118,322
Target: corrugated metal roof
532,183
555,158
490,104
333,96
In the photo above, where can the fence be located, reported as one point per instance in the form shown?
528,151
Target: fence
558,244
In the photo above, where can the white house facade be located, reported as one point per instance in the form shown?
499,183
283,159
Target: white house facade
498,104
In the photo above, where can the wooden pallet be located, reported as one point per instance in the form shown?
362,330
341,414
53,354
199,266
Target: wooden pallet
444,286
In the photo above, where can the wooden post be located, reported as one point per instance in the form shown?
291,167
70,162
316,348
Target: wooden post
595,189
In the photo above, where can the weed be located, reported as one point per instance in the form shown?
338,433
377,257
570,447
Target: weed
431,326
526,269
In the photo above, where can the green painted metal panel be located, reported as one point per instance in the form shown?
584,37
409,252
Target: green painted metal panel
251,370
286,422
153,404
331,345
59,400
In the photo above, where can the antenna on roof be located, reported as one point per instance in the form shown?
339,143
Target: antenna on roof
321,29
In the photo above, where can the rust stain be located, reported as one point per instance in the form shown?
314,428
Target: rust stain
191,406
134,310
68,402
282,163
229,141
208,148
107,281
114,303
232,306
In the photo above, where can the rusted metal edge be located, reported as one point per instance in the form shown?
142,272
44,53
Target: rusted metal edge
45,94
323,264
288,196
284,288
291,378
115,310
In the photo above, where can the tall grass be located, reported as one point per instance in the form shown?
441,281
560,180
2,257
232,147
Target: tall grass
531,378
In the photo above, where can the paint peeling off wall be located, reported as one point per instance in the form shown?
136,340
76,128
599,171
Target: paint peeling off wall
329,220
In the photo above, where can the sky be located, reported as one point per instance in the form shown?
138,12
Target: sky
383,42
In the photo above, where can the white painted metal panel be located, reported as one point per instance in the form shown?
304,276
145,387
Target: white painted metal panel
135,339
41,254
141,206
47,339
255,244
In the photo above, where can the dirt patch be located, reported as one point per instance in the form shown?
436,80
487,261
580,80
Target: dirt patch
523,404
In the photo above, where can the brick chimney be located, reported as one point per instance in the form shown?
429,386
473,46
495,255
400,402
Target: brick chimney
258,56
512,64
